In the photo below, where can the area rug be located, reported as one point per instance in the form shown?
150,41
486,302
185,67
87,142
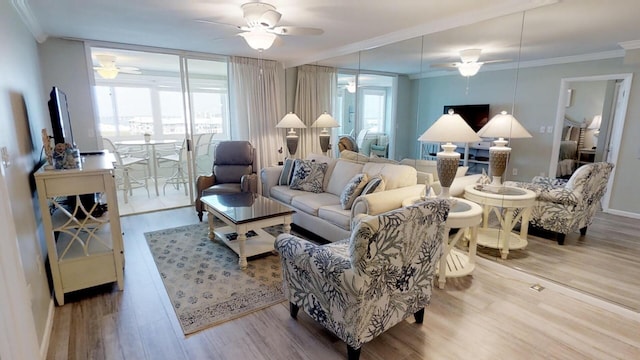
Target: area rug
203,280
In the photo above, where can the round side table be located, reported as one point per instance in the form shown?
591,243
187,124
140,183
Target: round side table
503,202
465,216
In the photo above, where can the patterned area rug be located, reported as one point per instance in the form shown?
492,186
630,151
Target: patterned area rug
203,280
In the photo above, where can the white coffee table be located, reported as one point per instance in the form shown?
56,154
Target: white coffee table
503,204
244,212
465,216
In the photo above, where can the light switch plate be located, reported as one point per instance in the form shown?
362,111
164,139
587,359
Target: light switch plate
4,153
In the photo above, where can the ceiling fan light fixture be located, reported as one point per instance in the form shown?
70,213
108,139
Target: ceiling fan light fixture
258,39
351,87
107,72
469,68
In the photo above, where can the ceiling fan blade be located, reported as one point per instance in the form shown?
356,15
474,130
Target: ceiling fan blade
296,30
451,65
213,22
130,71
496,61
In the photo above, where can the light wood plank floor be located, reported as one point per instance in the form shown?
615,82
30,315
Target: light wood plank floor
492,314
605,262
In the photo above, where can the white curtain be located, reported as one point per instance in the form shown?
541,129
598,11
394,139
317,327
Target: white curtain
257,104
315,93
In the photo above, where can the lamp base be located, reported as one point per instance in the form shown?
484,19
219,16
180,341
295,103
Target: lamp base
324,142
292,144
447,166
498,158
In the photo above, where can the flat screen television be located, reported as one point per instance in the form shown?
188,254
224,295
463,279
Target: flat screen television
60,120
475,115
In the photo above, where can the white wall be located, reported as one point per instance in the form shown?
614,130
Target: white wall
536,102
23,112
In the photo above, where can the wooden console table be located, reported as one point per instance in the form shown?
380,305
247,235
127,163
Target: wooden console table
84,250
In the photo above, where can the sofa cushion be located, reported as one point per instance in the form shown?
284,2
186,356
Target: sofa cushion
336,215
287,171
310,203
285,194
352,190
308,175
342,173
395,176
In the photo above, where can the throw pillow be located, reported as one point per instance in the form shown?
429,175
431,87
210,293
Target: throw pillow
375,184
287,171
308,175
352,190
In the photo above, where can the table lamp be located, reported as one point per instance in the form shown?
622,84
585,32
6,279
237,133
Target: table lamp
291,121
501,126
448,128
595,126
325,121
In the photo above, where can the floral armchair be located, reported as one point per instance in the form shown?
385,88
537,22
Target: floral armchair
362,286
564,206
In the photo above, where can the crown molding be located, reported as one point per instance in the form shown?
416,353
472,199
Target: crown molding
529,64
471,17
29,19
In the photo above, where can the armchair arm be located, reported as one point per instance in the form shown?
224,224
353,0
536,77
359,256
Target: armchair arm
321,261
249,183
560,196
550,182
269,177
377,203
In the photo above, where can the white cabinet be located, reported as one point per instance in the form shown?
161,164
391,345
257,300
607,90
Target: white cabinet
84,250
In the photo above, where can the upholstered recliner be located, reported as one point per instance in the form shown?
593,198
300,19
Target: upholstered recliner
564,206
233,172
362,286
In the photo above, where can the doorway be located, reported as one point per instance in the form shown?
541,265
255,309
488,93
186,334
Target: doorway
606,123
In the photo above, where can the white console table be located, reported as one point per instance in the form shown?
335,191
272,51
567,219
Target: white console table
83,250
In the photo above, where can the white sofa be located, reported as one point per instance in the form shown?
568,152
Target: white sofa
322,214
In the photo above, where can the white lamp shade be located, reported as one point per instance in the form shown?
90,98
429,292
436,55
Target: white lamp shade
450,128
291,121
504,125
595,123
469,69
258,39
325,121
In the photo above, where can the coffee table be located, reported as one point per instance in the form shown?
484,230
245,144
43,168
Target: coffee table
502,202
246,214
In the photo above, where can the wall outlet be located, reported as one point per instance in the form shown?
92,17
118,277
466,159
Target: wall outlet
549,129
514,171
542,129
4,153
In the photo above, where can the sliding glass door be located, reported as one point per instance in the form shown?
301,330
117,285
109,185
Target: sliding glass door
160,114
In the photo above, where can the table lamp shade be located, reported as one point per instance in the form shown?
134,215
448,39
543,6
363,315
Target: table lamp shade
448,128
291,121
325,121
501,126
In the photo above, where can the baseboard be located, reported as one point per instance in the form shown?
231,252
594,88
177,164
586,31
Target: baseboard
623,213
48,328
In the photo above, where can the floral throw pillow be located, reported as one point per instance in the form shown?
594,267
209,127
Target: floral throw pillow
308,175
352,190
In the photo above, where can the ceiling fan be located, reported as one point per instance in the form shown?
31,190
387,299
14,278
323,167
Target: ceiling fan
469,64
261,31
108,68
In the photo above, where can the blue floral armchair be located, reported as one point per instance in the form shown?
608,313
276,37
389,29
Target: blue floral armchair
361,286
564,206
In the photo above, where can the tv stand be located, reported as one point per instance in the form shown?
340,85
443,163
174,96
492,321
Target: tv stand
84,243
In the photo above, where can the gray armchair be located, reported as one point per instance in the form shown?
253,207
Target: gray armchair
233,172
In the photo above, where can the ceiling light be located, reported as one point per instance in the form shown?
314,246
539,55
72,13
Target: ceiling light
351,87
469,68
258,39
107,72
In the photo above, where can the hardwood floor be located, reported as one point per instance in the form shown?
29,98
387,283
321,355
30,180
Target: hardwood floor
492,314
605,262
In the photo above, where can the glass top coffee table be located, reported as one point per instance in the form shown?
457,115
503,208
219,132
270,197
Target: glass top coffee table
246,214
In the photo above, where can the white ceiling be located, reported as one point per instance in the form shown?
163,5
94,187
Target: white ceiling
552,28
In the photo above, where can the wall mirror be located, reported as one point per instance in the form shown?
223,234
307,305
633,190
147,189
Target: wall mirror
530,90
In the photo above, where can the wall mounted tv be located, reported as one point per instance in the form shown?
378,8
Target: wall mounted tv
475,115
59,113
